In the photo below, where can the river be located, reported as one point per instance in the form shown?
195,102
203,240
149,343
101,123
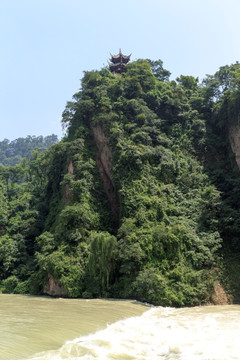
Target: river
42,328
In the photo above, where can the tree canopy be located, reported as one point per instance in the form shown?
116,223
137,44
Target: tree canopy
12,152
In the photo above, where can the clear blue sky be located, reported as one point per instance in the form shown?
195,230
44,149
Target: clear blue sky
47,44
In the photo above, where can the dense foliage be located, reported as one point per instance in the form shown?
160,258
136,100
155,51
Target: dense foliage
139,200
13,152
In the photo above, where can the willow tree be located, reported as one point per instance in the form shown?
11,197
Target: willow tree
101,259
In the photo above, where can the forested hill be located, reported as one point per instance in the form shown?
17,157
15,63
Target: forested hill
139,200
13,152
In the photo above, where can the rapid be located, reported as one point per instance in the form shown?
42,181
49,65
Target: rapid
39,328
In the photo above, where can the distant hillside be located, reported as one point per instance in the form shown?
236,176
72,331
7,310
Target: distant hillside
12,152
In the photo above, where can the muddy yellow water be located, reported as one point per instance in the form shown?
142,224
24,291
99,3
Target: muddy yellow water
32,324
39,328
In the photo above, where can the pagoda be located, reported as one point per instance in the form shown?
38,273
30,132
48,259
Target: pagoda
118,62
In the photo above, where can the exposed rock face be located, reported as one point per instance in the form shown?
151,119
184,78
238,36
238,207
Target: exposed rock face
219,296
234,138
104,163
53,289
67,189
70,167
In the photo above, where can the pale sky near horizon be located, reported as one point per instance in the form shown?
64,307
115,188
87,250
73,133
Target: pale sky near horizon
47,44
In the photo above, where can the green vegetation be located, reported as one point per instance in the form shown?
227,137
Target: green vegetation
139,200
13,152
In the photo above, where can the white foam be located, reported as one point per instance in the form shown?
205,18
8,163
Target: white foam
204,333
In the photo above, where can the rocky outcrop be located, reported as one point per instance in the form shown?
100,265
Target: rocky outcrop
104,163
52,288
70,167
234,138
219,296
67,189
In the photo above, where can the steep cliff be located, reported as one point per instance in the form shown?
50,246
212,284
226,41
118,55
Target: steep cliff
139,200
234,139
104,163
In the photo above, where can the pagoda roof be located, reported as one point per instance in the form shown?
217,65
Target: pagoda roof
120,58
117,68
116,65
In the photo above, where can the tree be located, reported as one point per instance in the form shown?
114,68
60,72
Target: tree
101,259
158,70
